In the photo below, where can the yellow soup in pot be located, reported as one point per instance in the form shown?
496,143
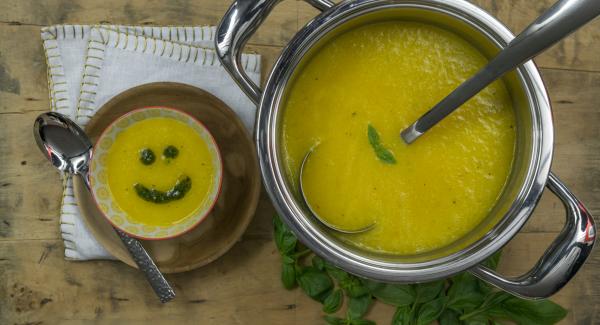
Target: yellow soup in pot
156,155
352,99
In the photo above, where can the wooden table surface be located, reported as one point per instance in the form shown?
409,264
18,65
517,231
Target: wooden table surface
37,286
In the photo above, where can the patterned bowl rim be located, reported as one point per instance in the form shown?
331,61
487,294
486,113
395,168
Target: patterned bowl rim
219,171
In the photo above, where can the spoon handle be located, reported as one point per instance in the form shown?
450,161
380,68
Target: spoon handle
563,18
145,263
142,259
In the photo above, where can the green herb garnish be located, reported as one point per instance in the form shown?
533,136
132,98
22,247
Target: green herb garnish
147,157
170,152
381,152
182,186
462,299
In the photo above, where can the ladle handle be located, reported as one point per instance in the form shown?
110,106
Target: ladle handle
560,20
561,260
140,256
239,23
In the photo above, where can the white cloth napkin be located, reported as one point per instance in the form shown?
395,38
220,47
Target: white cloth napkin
88,65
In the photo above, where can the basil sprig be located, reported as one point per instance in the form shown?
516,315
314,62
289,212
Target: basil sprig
384,154
459,300
177,192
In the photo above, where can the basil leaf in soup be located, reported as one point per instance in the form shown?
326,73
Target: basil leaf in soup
382,153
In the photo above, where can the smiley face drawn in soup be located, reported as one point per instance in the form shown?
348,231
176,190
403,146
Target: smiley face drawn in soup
160,171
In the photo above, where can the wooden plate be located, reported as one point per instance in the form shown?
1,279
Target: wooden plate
241,180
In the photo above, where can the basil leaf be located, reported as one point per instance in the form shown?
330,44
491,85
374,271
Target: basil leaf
321,297
449,317
362,322
333,320
463,293
401,316
288,276
277,229
358,306
288,243
333,302
287,259
392,294
373,136
318,263
431,310
492,301
484,287
528,312
314,282
461,283
336,273
381,152
425,292
467,301
495,298
385,156
492,261
284,238
478,320
353,286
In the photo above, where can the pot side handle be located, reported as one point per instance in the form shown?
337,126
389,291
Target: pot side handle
561,260
239,23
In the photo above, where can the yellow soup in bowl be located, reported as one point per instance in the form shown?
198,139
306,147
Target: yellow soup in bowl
161,171
351,100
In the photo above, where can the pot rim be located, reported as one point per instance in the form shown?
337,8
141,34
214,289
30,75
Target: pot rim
293,216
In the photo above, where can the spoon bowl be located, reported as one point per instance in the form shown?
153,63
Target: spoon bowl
63,143
313,212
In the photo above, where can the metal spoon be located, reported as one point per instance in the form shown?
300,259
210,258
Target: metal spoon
312,211
563,18
68,148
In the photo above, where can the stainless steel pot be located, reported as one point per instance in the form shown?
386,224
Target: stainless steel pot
531,171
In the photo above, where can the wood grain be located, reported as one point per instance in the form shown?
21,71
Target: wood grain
23,82
38,285
282,21
240,288
576,52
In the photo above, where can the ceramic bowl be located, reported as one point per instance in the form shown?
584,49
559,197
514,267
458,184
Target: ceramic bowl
101,189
